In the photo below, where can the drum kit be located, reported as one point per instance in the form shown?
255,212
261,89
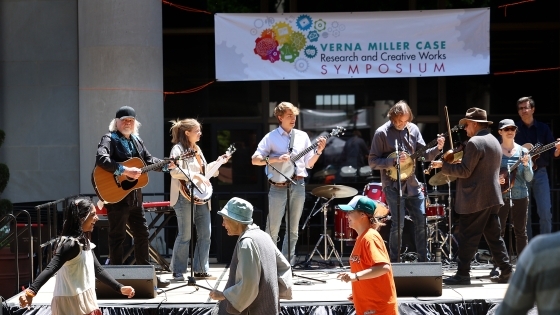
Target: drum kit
436,214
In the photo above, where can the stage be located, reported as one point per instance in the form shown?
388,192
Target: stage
309,296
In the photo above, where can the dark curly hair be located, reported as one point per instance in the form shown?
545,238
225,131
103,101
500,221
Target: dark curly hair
75,213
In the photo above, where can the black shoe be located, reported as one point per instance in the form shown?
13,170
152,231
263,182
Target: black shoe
458,280
202,275
162,283
494,272
503,277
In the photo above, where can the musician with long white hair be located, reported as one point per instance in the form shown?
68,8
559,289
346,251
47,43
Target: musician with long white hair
185,134
280,147
400,131
120,145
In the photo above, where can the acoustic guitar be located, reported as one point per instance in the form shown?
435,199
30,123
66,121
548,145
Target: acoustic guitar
541,149
111,188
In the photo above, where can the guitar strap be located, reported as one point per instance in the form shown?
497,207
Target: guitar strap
200,163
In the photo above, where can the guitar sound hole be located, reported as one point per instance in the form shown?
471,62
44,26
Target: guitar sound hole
129,184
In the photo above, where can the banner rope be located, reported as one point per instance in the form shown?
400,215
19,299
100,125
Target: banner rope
185,8
505,6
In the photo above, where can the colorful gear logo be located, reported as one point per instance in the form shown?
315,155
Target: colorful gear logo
313,36
310,51
320,25
273,55
288,53
301,65
304,22
297,40
282,32
263,47
267,33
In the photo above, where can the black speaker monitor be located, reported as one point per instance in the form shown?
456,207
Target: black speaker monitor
418,279
141,278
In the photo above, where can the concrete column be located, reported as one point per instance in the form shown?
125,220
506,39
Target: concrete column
39,98
120,63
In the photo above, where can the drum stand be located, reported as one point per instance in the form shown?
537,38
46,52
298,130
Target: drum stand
327,240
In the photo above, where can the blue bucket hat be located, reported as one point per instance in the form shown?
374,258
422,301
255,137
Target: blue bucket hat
239,210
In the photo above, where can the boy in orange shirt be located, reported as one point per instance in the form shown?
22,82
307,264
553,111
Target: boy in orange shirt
373,287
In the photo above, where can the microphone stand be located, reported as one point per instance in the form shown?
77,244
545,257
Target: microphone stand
191,281
509,212
437,249
288,187
287,234
398,166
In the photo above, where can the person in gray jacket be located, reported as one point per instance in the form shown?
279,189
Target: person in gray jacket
478,198
259,275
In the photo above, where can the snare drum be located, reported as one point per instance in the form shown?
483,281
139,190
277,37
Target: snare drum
374,191
341,230
435,211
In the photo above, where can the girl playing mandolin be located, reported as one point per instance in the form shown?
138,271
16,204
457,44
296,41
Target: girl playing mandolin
185,134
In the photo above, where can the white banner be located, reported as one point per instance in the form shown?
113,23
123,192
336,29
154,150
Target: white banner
299,46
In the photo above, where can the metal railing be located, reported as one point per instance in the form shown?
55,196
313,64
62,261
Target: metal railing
12,239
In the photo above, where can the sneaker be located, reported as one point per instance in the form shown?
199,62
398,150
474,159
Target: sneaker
458,280
202,275
162,283
178,276
502,278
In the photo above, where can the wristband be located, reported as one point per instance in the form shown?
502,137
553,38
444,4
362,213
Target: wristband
30,293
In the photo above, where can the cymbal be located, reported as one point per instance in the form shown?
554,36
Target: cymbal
334,191
440,179
435,193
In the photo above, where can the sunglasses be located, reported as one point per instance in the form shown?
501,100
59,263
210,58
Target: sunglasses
509,129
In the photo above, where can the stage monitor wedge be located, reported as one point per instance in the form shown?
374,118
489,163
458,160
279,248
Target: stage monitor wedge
418,279
141,278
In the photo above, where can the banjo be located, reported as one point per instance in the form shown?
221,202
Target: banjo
409,165
203,196
288,168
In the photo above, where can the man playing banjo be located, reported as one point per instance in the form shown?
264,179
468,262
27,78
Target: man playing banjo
277,148
399,129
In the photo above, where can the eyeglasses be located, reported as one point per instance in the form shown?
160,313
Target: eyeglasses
509,129
525,108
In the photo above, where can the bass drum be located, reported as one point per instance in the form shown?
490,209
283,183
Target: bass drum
341,230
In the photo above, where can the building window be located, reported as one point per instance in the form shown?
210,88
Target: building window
335,101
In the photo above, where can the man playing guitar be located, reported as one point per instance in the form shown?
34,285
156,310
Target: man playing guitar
278,146
533,132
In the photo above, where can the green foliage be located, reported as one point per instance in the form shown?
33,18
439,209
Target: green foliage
2,136
4,176
6,207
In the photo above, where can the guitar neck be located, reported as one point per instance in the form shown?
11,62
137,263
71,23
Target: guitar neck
546,147
304,152
421,151
210,171
153,166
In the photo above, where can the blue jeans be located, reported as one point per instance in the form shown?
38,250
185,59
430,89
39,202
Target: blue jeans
540,189
277,197
202,221
416,208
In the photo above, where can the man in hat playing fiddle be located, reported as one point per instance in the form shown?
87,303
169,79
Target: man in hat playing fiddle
478,197
259,275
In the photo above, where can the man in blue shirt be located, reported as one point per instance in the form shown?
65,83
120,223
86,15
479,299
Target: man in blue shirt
532,131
